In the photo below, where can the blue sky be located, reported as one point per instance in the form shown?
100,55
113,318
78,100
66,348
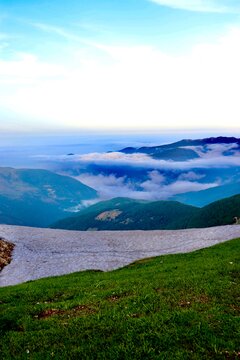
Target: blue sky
119,64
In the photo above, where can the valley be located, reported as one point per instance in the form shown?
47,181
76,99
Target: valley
172,186
34,197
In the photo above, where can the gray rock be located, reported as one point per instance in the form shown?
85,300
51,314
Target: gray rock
45,252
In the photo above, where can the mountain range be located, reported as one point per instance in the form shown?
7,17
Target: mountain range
162,172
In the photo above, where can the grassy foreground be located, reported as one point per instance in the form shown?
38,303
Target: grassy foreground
183,306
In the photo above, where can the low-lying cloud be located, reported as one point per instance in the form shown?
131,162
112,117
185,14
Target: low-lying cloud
211,156
156,187
139,176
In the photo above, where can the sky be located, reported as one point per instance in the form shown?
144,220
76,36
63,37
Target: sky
101,64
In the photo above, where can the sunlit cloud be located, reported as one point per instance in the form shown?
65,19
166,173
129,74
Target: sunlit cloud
215,6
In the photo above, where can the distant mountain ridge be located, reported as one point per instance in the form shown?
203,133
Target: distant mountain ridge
128,214
34,197
178,151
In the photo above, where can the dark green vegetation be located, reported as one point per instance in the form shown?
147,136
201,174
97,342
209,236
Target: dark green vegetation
38,197
183,306
127,214
220,212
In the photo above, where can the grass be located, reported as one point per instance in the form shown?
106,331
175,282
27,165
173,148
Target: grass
183,306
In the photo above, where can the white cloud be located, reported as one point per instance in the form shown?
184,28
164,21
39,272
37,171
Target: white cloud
156,177
191,176
117,157
138,86
215,6
154,183
27,67
152,189
214,150
220,149
164,192
110,186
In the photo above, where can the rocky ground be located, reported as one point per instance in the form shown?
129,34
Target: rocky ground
6,249
46,252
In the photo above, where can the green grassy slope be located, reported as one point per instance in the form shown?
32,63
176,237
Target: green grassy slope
128,214
183,306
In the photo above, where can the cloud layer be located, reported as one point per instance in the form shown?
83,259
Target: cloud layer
159,179
155,188
211,156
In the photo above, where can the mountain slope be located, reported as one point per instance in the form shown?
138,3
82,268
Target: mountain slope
219,212
38,197
205,197
183,306
127,214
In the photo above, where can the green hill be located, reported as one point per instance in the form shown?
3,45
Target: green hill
38,197
183,306
219,212
127,214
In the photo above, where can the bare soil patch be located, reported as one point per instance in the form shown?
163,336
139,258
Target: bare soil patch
109,215
79,310
6,249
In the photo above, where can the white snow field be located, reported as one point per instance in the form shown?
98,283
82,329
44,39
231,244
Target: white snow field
45,252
